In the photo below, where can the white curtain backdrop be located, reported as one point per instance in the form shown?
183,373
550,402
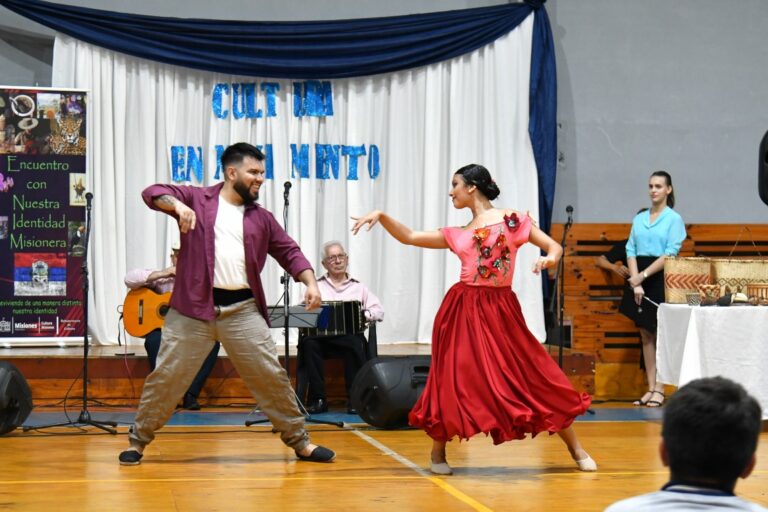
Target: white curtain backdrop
426,122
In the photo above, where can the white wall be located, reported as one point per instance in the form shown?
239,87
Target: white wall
643,85
654,84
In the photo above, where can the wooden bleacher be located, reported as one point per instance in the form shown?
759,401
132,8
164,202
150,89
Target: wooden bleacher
592,296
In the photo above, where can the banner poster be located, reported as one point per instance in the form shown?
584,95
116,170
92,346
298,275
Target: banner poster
42,215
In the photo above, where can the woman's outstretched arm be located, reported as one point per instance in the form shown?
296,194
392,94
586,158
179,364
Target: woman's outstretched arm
545,243
401,232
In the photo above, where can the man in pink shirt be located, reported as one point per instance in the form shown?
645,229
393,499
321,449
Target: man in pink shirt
161,281
336,285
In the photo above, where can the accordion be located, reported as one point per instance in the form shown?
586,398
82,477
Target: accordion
338,318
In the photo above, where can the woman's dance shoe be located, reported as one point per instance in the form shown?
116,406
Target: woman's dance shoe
587,464
440,468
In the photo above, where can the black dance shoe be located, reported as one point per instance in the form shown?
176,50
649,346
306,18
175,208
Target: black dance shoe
319,454
317,406
190,402
130,457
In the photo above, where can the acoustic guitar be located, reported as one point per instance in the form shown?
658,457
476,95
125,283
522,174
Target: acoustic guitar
144,311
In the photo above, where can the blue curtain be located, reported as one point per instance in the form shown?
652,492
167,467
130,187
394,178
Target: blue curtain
542,124
326,49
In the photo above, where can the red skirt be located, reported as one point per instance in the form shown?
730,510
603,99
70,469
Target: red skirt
490,374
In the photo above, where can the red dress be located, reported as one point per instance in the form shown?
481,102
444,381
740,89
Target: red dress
489,373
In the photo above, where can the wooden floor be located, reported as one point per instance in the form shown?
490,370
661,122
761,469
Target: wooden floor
233,468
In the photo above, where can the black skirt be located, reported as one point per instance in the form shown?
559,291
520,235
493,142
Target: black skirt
644,315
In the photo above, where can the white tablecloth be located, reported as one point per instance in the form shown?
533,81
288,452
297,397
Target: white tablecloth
696,342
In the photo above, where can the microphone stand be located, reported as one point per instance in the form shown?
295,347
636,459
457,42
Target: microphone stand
560,293
560,280
85,417
285,280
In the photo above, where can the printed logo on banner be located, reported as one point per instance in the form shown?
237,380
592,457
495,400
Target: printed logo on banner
26,326
69,327
39,274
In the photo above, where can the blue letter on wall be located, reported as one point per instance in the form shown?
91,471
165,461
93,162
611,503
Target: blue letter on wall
326,159
271,89
218,91
300,161
177,163
373,162
240,99
353,152
195,162
312,98
181,170
219,169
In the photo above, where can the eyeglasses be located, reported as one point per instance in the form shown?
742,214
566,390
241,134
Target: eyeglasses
336,257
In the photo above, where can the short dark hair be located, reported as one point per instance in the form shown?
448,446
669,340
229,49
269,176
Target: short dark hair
477,175
710,429
235,154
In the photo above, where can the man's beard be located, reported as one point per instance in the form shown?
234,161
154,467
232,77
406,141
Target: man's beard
245,192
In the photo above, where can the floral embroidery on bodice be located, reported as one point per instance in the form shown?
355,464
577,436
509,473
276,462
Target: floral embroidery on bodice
488,253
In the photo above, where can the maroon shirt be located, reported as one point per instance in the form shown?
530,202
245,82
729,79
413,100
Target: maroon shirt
193,292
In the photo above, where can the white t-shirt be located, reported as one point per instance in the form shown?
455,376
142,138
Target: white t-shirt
229,267
682,498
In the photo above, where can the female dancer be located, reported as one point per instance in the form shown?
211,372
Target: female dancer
489,373
656,234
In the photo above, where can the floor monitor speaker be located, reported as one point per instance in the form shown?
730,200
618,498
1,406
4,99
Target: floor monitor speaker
15,398
386,389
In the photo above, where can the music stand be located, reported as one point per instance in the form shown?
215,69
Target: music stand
292,316
85,417
297,316
300,318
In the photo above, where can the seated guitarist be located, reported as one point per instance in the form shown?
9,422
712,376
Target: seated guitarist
161,281
336,285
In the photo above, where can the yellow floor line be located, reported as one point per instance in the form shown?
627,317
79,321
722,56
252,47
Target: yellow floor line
476,505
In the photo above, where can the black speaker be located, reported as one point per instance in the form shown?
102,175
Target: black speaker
385,390
762,170
15,398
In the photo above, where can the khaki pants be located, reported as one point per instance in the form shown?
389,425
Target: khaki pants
186,343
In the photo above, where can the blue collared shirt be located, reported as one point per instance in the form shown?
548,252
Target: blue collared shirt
662,238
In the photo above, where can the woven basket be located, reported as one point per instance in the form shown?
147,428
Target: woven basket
682,276
736,274
709,290
693,299
759,290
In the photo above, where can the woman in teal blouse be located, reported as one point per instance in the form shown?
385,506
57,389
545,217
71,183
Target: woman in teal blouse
656,233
